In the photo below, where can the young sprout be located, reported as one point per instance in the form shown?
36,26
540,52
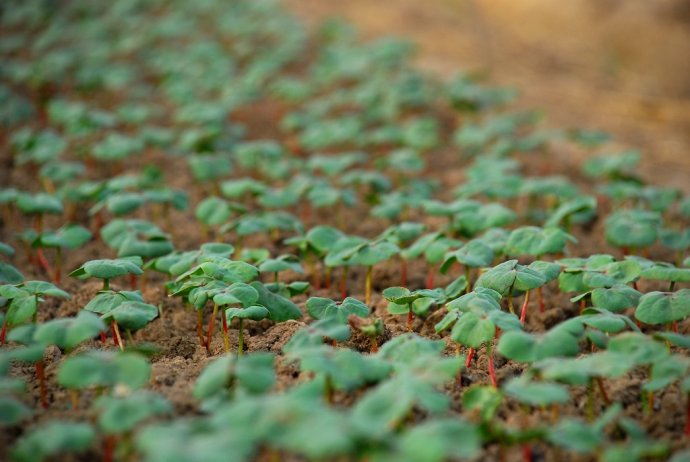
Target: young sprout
108,269
434,247
52,439
475,319
315,244
473,254
402,301
24,299
67,237
402,235
65,333
8,273
103,370
510,276
280,264
371,327
631,230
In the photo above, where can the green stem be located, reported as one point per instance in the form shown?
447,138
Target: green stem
106,284
367,286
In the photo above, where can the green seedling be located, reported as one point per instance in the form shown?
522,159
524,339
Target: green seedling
54,438
8,273
632,230
280,264
109,269
434,247
103,370
471,222
342,369
402,235
475,318
67,237
65,333
119,415
315,244
323,308
233,376
473,254
372,328
403,301
510,276
24,299
619,166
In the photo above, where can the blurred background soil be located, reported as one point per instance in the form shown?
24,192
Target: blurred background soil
622,66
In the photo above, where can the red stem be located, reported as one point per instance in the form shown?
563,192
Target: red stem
112,330
103,337
108,448
602,390
582,305
674,326
540,296
225,323
470,357
133,281
40,375
687,418
211,324
430,278
3,332
523,312
43,262
527,453
410,318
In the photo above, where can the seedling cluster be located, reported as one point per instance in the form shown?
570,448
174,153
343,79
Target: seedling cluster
228,237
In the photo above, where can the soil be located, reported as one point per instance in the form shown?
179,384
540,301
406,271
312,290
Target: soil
657,121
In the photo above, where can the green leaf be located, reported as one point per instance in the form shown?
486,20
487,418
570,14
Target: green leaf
321,308
510,275
12,411
666,372
666,272
105,369
535,241
632,228
616,298
484,400
255,313
663,308
213,211
67,237
132,315
68,333
252,373
535,393
120,414
236,293
107,300
53,438
107,269
9,274
528,348
280,308
473,330
39,204
439,440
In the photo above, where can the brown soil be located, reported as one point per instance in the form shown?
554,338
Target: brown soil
449,32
